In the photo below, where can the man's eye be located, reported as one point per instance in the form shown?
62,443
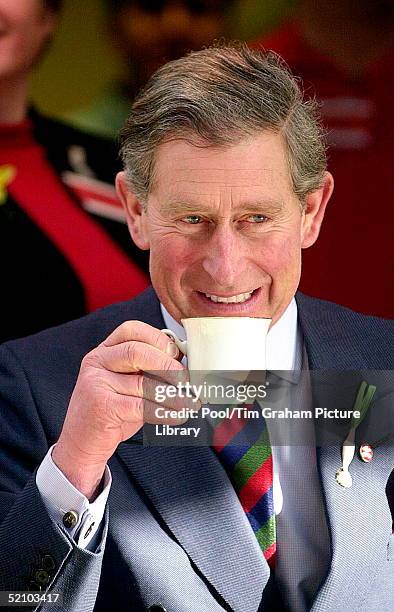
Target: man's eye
192,219
257,218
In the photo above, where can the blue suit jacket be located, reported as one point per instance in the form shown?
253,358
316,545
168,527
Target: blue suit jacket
175,533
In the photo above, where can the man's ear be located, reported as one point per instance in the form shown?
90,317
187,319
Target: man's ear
315,206
135,213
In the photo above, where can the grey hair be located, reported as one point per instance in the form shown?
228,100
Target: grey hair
217,97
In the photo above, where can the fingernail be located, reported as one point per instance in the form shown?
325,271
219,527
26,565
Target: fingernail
172,349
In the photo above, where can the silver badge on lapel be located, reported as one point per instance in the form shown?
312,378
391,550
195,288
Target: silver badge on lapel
363,401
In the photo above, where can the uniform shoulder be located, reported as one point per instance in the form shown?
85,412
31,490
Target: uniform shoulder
50,127
69,148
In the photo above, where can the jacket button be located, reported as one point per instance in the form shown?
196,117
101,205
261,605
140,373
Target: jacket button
41,576
157,608
47,563
70,519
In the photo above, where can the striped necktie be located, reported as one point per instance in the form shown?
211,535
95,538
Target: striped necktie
243,447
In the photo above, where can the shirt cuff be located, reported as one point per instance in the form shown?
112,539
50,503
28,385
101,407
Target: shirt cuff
61,497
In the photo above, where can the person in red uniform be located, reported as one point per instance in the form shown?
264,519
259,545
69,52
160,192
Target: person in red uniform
64,244
343,50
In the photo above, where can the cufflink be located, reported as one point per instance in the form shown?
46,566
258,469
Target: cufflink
70,519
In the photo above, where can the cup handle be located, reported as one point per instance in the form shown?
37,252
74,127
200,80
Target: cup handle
181,344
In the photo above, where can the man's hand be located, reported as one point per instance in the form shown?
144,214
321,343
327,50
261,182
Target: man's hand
113,398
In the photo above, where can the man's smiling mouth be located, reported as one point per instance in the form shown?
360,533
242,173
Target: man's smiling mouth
229,300
233,299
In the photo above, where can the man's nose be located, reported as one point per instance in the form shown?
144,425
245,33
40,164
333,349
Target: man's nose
224,259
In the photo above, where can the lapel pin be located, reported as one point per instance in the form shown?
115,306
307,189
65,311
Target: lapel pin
366,453
363,401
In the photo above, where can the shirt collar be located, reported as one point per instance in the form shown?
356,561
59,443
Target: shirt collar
284,339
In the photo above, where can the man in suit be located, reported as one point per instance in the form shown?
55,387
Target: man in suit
225,183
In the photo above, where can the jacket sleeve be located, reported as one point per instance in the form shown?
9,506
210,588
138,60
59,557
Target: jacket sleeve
36,553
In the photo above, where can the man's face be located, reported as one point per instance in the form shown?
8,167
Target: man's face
224,223
25,26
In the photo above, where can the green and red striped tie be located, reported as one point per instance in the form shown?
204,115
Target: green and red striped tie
244,449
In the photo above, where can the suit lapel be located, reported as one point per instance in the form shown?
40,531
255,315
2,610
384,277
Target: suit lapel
359,522
193,495
359,517
355,515
195,498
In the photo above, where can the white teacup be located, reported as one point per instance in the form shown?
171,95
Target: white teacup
234,346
